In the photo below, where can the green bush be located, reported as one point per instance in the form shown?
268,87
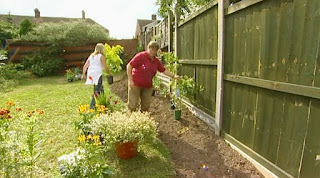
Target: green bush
43,63
67,33
11,75
7,30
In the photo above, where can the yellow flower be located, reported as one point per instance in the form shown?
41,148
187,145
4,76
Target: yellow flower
97,143
82,138
91,110
96,137
89,137
83,108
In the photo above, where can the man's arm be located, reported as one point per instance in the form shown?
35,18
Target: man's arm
129,73
168,73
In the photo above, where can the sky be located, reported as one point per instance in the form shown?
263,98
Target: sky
119,16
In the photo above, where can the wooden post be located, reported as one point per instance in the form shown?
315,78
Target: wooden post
176,35
220,61
170,31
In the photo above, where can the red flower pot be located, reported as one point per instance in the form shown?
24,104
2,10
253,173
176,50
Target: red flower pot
127,150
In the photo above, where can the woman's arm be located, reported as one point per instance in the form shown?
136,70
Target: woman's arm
104,64
85,67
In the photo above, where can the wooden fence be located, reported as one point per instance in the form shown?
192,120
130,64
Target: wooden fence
74,55
271,78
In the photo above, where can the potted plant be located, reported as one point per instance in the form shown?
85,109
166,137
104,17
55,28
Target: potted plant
77,73
113,60
70,75
125,131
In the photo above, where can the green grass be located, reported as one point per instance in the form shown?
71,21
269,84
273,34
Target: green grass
60,100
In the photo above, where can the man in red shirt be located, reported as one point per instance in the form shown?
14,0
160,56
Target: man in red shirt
141,70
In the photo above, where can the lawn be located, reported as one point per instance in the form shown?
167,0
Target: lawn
60,100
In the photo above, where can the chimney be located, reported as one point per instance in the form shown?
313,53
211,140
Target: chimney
154,17
36,13
83,14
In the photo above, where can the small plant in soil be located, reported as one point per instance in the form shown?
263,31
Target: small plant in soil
70,75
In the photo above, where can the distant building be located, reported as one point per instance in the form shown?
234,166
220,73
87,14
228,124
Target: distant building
37,19
145,29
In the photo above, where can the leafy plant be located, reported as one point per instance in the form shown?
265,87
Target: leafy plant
121,127
113,59
70,74
171,62
139,48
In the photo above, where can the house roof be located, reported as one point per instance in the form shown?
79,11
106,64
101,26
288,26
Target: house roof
142,23
16,19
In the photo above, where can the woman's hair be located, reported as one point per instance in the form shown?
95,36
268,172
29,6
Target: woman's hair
99,49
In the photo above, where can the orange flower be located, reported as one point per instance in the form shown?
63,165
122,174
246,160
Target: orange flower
10,103
9,116
40,111
29,114
18,109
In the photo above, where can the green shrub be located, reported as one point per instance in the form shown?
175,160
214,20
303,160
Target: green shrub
11,75
67,33
7,30
43,63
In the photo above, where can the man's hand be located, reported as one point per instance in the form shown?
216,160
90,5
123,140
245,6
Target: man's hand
178,77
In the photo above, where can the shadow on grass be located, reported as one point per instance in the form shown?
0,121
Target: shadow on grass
153,160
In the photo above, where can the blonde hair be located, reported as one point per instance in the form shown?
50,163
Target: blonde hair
99,49
153,44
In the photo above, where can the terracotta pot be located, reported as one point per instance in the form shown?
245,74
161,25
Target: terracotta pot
127,150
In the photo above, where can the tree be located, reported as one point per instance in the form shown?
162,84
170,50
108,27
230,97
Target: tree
182,7
25,27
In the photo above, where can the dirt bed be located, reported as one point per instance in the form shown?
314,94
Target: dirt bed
192,143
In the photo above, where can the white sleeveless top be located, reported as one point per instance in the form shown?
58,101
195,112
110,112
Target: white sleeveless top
94,70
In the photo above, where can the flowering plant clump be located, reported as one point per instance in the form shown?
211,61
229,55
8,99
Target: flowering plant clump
84,163
18,148
121,127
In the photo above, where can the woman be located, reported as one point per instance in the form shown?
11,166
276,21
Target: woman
95,64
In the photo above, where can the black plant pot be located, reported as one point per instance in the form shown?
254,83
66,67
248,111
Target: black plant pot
70,80
110,79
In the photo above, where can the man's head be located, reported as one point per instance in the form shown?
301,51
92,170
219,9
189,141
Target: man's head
153,48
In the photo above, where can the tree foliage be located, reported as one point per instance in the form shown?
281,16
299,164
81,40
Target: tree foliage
182,7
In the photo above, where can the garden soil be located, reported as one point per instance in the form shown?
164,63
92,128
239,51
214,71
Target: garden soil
192,143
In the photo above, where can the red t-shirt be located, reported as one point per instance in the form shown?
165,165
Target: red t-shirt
144,69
